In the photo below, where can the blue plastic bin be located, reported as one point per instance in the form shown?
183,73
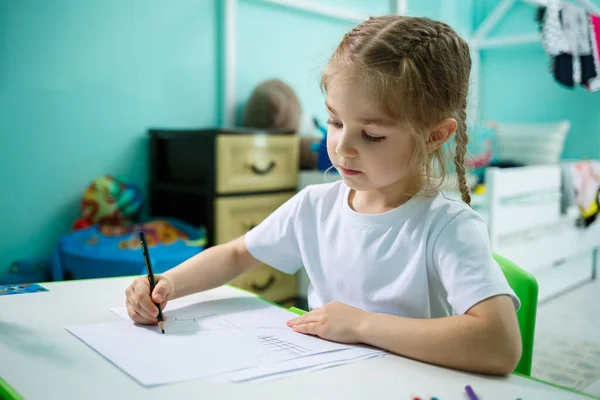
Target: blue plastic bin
87,253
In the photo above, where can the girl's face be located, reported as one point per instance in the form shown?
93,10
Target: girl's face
369,150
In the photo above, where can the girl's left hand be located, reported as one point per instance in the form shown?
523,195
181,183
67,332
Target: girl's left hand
334,321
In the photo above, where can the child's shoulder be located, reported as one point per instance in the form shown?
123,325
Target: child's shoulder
323,192
452,221
444,209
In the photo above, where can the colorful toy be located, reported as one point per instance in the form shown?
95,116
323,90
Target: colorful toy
109,200
6,290
323,161
586,181
481,160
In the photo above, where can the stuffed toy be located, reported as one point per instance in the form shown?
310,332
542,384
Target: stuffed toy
111,200
273,105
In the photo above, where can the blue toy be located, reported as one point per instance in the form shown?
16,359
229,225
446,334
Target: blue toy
101,251
323,161
26,271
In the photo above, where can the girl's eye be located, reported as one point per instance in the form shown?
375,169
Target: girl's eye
335,124
372,138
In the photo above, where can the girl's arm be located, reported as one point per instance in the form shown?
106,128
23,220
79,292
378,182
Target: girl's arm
486,339
208,269
211,268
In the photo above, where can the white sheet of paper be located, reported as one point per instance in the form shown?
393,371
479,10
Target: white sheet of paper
304,364
202,339
271,317
285,374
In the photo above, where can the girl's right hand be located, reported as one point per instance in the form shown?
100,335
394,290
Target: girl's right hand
140,306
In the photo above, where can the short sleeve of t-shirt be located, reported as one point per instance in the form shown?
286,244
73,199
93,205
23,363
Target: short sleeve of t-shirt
274,241
465,265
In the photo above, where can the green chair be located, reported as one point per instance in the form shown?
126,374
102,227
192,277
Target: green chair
526,288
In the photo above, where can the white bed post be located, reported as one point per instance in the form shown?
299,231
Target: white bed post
399,7
228,64
492,203
474,86
493,19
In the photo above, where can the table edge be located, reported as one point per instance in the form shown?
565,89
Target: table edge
9,393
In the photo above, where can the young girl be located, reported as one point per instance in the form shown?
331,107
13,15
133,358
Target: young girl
392,261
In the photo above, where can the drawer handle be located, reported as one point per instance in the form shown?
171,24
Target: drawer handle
262,288
265,171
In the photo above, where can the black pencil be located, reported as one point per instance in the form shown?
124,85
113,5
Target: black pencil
161,320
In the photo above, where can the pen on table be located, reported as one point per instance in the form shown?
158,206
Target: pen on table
471,393
161,320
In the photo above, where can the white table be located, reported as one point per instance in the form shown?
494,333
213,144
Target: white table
39,359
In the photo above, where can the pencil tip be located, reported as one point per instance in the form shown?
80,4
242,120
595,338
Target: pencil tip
163,331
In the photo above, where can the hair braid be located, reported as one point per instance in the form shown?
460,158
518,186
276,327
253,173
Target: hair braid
461,140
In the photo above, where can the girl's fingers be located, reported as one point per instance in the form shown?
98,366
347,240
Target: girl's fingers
143,299
140,297
143,313
135,316
308,317
308,328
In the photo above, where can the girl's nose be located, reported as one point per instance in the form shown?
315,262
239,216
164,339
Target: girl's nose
345,147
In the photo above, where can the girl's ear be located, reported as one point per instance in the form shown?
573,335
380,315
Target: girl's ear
440,134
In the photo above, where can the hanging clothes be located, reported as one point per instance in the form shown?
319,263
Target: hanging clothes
576,28
554,40
556,45
569,37
593,84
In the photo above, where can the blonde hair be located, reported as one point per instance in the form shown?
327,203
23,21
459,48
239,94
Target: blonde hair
417,70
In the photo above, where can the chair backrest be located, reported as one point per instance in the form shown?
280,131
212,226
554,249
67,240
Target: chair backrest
526,288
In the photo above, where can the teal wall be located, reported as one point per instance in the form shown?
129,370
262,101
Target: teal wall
293,46
456,13
80,82
516,85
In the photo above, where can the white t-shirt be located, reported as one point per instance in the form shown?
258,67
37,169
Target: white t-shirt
428,258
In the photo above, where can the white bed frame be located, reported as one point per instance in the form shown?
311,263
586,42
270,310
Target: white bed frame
522,207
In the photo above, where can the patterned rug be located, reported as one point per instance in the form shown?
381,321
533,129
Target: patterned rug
566,361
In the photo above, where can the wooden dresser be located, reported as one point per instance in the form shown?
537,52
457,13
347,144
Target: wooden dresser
227,181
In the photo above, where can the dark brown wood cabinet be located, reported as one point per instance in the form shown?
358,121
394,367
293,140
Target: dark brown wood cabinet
227,181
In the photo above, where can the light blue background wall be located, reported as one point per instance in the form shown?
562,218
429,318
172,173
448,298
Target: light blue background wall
80,82
290,45
517,86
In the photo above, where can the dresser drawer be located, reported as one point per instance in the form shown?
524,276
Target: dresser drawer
235,216
253,163
268,282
